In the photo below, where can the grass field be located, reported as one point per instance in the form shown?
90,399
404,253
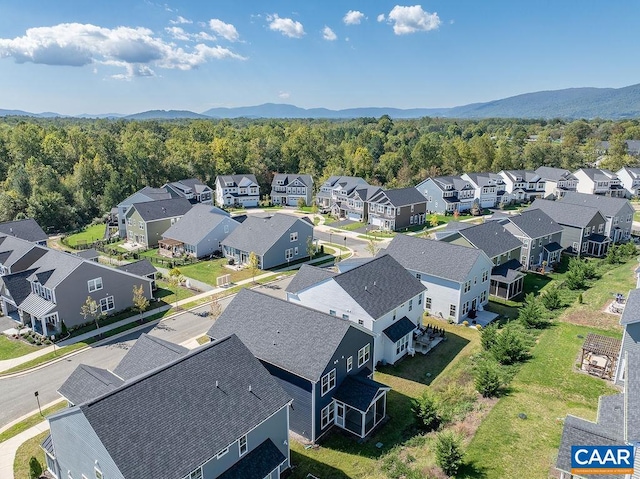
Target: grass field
13,348
31,421
25,453
89,235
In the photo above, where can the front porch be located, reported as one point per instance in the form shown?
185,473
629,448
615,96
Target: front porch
360,405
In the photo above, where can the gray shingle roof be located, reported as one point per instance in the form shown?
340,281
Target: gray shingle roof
141,267
88,254
507,272
358,391
307,276
27,229
436,258
535,223
88,382
611,413
632,396
399,329
491,237
257,464
177,416
196,224
290,178
597,174
565,213
160,209
18,286
631,313
607,205
554,174
148,353
399,197
294,338
260,234
379,285
18,254
237,180
154,194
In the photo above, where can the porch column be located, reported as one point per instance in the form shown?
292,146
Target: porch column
43,321
364,421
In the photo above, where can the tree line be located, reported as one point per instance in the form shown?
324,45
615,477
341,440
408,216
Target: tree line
66,172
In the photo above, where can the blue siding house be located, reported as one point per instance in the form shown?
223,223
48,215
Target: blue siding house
324,363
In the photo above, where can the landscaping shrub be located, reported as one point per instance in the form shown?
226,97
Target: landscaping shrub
488,337
488,377
425,408
449,454
35,468
510,346
531,314
551,298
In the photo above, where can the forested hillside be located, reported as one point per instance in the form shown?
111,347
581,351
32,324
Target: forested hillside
65,172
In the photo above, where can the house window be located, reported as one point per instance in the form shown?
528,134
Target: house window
483,296
418,276
361,322
197,474
94,284
288,254
222,452
465,308
600,228
129,221
295,251
332,312
394,314
398,211
412,208
410,304
584,246
349,363
467,287
327,416
574,246
107,304
98,473
427,303
485,276
452,310
475,280
293,236
141,225
420,298
402,345
345,316
242,445
328,382
363,354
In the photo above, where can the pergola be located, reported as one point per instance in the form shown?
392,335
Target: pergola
600,355
170,247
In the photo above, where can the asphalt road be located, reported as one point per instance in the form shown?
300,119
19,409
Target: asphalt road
17,394
358,246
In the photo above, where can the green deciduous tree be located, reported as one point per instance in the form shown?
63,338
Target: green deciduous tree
140,301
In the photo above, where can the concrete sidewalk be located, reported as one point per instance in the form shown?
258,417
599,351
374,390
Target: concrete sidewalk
9,447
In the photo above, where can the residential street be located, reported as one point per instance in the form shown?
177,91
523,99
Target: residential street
17,393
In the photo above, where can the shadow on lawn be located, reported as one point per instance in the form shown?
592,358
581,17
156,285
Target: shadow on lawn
302,465
472,471
424,368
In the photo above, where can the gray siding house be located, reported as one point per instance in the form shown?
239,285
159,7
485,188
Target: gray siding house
214,412
49,286
287,189
334,192
357,208
191,189
199,233
557,181
447,194
277,240
145,194
237,191
393,210
489,189
617,211
27,229
523,185
146,222
540,237
456,277
583,227
324,363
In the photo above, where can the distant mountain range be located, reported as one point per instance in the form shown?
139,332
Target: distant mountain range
571,103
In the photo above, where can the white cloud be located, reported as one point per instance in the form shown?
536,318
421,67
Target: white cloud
284,95
178,33
180,21
353,17
412,19
204,36
136,50
286,26
381,17
328,34
225,30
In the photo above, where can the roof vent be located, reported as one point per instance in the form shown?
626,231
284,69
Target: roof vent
217,385
374,283
365,288
249,387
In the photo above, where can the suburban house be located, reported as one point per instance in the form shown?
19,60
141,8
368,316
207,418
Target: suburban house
142,267
489,189
214,412
557,181
617,421
199,233
27,229
42,287
276,240
147,353
379,295
630,180
192,189
540,237
504,251
335,191
142,196
147,221
583,226
287,190
523,185
594,181
393,210
446,194
357,203
237,190
456,277
323,362
617,212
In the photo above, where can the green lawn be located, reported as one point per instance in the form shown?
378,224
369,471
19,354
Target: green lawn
166,292
89,235
636,216
13,348
208,271
25,453
31,421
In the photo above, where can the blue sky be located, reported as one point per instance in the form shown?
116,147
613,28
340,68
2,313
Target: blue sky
128,56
